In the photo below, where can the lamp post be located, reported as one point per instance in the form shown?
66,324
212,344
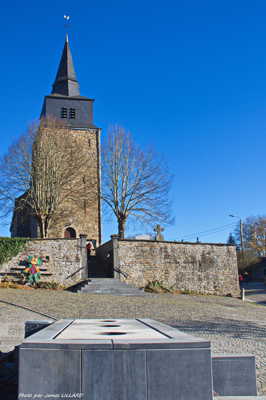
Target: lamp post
241,233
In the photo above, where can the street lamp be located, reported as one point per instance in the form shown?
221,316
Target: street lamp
241,233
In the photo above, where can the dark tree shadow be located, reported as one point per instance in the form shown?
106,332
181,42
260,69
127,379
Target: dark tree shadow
232,328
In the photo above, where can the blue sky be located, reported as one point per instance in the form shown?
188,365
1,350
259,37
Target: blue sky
188,77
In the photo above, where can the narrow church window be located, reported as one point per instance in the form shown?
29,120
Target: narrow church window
72,113
63,112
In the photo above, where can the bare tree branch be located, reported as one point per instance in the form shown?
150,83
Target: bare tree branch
46,169
134,183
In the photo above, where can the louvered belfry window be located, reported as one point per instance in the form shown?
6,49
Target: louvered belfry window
68,113
72,113
63,112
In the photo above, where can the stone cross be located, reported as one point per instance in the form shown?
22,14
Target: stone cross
158,229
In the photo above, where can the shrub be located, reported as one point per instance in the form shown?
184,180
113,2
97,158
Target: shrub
50,285
156,287
13,285
10,247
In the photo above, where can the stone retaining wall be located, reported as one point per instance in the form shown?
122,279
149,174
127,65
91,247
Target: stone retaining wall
195,267
66,258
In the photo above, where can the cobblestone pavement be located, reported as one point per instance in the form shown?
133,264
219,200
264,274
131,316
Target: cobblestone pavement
231,325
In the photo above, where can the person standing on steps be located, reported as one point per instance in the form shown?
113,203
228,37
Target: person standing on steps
90,248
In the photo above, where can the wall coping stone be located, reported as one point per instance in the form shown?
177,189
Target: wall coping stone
168,241
40,239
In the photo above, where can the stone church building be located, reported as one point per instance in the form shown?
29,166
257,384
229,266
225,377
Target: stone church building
206,268
75,112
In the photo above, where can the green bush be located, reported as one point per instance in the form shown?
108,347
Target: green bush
10,247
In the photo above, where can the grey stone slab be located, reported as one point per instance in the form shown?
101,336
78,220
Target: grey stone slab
173,333
130,380
119,375
120,344
97,375
179,374
50,332
239,398
70,344
124,334
34,326
116,329
232,355
234,375
49,371
130,329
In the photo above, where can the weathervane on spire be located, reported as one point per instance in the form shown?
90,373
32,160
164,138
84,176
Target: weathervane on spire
67,22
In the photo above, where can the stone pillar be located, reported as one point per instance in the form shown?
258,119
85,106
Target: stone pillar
83,256
116,263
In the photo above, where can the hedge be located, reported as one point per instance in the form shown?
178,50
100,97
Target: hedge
10,247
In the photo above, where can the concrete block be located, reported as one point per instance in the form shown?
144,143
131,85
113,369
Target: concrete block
117,359
34,326
45,371
179,374
234,375
114,375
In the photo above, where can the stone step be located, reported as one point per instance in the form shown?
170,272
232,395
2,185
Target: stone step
22,268
17,278
111,286
16,274
76,287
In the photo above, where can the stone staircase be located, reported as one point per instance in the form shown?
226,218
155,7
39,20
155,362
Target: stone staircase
111,286
15,272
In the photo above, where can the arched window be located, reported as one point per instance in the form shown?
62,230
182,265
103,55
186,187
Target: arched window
70,233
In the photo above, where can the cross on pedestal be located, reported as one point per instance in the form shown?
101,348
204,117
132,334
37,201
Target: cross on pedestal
158,229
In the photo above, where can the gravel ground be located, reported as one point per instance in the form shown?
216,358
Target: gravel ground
231,325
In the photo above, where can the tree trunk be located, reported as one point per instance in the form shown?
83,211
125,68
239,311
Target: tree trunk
121,228
47,224
41,222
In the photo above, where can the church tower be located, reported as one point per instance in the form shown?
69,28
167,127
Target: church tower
76,113
65,102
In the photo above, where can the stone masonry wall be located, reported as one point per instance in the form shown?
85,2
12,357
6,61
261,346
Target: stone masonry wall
81,213
196,267
65,260
83,216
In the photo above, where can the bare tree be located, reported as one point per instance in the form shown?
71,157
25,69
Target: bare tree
46,169
257,239
15,171
253,234
254,241
135,183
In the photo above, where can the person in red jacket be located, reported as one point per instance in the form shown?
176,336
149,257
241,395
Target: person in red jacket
89,248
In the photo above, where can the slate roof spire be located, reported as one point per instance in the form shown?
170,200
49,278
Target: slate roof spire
66,83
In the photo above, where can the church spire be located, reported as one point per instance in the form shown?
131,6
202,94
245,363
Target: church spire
66,83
